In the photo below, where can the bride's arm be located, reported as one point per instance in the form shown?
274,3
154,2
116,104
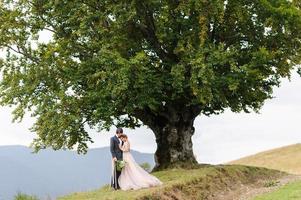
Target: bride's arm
125,147
121,147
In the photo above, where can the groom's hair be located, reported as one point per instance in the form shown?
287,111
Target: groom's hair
119,130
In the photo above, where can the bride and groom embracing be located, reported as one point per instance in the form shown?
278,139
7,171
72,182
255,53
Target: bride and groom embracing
126,173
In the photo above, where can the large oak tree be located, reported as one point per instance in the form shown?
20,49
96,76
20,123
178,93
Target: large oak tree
152,62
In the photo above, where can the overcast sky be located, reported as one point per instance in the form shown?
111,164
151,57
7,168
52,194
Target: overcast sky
217,138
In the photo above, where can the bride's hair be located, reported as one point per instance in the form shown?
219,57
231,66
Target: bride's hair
123,136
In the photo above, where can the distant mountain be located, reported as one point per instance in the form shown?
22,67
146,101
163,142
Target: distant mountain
287,158
49,173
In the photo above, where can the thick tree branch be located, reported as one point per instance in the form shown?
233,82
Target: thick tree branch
148,30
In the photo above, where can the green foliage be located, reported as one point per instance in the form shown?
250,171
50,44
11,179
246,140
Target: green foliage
128,62
146,166
21,196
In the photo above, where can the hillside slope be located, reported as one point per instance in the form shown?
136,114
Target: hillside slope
287,159
206,182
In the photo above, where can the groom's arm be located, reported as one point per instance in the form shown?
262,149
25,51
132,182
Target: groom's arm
112,149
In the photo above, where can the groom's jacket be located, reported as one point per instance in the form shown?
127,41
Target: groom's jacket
114,148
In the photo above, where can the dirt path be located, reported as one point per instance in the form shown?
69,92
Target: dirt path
248,192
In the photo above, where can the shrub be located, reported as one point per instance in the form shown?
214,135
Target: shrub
21,196
146,166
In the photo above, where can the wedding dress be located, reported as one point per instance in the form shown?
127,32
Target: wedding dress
132,175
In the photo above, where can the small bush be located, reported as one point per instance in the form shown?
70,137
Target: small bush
146,166
21,196
271,183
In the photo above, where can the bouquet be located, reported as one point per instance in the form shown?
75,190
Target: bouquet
120,165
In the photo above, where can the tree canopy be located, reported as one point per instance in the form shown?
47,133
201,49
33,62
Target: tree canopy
127,62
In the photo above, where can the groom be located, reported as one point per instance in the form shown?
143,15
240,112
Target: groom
116,155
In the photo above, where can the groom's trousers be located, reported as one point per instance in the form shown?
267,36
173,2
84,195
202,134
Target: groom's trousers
114,179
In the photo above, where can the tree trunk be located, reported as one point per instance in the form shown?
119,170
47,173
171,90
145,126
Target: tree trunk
173,128
174,145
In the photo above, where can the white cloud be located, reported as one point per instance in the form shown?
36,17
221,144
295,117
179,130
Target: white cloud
230,136
14,133
45,36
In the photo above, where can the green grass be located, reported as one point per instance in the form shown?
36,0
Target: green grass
199,183
21,196
291,191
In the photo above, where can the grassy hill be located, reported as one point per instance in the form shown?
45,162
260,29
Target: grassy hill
286,159
203,182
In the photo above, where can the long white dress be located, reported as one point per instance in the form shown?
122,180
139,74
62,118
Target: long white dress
132,175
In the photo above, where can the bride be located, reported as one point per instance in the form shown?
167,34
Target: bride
132,175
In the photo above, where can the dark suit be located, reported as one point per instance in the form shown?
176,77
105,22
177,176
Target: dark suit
116,152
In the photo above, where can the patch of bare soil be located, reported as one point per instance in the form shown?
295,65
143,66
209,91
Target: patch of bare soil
248,192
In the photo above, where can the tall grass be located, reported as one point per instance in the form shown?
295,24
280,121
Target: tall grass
21,196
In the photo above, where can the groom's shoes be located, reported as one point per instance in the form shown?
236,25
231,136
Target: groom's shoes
116,188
